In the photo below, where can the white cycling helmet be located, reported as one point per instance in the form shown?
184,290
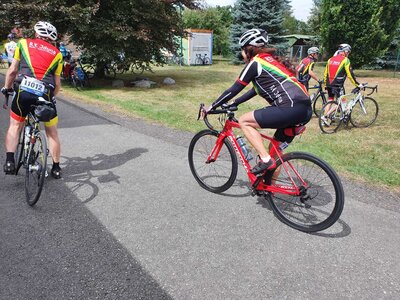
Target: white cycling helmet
345,47
46,30
254,37
312,50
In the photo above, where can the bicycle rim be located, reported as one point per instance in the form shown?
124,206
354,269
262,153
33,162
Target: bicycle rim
333,119
320,204
36,170
216,176
364,112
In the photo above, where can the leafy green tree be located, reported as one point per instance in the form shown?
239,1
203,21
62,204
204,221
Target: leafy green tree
368,26
315,19
139,28
267,15
216,19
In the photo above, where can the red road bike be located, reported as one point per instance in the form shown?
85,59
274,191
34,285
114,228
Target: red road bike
304,192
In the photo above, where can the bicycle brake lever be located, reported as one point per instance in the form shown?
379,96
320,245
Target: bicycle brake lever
200,110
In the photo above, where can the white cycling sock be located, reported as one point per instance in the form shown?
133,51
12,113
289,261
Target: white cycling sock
266,159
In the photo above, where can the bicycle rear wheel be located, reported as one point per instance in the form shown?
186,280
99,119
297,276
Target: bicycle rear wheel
333,116
18,156
218,175
318,103
36,170
321,199
364,112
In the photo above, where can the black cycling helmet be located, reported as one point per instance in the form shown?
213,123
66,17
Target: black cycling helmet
254,37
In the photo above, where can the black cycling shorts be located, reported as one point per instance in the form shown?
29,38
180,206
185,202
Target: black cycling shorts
283,117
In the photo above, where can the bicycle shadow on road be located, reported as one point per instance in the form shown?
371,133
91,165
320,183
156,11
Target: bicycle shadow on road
81,174
341,227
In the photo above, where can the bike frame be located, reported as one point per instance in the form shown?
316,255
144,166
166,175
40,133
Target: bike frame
256,182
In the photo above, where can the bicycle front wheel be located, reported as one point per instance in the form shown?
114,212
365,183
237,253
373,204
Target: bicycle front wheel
215,175
321,199
331,117
36,169
364,112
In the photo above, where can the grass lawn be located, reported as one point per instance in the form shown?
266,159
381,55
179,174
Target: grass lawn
367,154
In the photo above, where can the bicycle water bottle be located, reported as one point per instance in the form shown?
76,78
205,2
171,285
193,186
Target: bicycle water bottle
27,136
247,154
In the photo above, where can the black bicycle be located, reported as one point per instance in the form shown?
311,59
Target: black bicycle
31,153
318,99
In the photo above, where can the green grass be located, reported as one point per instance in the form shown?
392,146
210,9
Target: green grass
370,155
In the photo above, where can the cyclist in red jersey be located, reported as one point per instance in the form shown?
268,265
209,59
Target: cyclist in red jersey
304,71
337,69
289,101
40,61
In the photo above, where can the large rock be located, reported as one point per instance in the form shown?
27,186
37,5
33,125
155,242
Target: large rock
169,81
144,84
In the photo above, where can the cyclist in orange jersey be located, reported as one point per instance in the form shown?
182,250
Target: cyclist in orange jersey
35,61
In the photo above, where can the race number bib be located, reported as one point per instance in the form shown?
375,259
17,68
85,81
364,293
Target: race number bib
33,86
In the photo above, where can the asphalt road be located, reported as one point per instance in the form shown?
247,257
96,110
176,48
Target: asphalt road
128,221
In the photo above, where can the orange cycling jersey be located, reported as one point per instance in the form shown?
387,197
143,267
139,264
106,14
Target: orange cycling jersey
336,71
39,59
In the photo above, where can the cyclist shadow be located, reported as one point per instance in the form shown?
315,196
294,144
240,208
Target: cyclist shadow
81,173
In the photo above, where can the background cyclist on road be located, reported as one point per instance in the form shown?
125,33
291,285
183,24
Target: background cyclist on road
290,103
304,71
34,58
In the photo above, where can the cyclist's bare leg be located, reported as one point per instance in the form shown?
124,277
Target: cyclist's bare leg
54,142
12,135
249,127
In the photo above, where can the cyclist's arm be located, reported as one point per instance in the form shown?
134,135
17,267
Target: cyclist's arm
245,97
11,74
312,73
235,89
57,80
350,74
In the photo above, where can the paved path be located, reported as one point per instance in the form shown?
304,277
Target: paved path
128,221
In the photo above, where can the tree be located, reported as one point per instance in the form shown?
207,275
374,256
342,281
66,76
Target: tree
139,29
217,19
368,26
267,15
314,21
291,25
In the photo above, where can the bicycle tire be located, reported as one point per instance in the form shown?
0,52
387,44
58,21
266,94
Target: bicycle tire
335,118
198,61
206,61
36,169
18,156
324,191
217,176
366,110
318,104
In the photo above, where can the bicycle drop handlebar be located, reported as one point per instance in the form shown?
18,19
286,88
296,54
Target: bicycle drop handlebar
202,111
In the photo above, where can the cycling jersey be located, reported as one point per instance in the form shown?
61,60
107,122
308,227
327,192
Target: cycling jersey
10,50
336,71
39,59
271,80
303,70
